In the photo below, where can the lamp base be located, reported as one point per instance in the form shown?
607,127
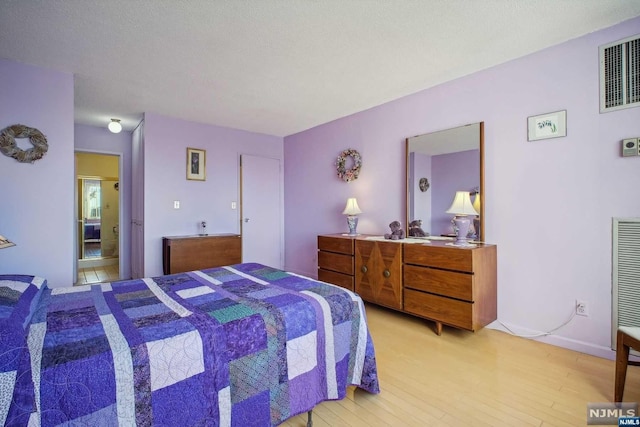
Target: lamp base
461,227
352,222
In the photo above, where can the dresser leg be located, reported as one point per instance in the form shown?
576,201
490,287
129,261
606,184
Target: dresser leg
439,328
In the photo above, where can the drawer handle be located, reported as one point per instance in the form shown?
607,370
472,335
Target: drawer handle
386,273
364,269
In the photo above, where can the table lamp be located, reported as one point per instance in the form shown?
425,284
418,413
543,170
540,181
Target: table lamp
462,208
351,210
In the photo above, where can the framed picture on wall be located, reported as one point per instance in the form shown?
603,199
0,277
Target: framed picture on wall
550,125
196,164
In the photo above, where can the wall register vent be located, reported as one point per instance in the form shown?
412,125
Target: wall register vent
626,274
620,74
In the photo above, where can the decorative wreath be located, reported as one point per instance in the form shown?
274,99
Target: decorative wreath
9,148
348,174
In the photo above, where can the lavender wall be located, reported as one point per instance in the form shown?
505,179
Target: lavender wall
37,199
100,140
165,143
548,253
451,172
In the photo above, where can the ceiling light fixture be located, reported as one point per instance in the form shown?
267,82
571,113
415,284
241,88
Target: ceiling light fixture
115,126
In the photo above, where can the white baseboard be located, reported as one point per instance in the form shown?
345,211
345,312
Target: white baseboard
558,341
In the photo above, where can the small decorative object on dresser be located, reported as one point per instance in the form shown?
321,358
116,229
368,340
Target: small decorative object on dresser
202,228
397,232
455,286
415,229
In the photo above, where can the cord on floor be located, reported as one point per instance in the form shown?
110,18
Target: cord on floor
540,334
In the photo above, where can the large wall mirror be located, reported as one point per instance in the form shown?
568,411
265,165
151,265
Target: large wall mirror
438,164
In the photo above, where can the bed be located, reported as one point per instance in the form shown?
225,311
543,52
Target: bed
241,345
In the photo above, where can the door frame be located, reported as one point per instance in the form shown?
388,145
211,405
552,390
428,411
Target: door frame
76,240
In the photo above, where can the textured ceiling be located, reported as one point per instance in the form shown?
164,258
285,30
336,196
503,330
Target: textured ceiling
278,66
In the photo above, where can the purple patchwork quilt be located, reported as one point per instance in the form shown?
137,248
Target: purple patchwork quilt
243,345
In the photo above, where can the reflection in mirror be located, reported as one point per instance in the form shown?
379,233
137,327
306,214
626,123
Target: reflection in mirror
438,164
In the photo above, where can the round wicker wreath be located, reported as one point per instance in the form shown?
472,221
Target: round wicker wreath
348,174
9,148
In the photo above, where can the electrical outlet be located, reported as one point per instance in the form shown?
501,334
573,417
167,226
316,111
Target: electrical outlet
582,308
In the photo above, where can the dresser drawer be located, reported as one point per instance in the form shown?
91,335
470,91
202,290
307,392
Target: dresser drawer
342,280
335,262
441,282
449,258
335,244
442,309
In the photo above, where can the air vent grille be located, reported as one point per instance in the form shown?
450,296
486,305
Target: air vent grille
620,74
626,273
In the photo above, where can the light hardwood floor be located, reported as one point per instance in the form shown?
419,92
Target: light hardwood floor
489,378
108,273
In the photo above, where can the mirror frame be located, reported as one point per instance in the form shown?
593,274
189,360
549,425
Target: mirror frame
481,235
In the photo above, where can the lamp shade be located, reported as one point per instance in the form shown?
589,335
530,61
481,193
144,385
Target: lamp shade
462,204
476,203
115,126
352,207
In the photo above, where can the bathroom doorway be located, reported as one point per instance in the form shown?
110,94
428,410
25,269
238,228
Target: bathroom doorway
98,215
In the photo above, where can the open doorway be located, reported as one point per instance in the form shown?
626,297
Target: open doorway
98,215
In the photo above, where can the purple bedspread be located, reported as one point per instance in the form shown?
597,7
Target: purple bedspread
244,345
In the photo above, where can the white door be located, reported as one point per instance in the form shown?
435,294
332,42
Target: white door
137,203
261,211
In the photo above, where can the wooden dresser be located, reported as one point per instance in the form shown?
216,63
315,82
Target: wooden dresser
450,285
187,253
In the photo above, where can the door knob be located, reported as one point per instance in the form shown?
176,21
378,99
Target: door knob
363,268
386,273
246,220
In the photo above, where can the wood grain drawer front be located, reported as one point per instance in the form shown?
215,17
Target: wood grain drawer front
335,244
449,258
182,254
335,262
342,280
434,307
441,282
